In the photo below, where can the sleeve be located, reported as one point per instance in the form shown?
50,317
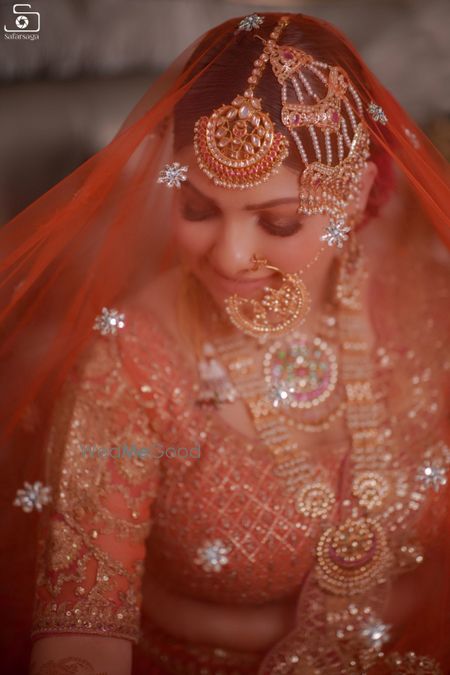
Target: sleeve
91,544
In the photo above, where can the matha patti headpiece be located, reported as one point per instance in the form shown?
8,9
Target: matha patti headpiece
330,182
237,145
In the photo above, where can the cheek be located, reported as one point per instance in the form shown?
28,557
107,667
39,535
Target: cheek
193,239
295,252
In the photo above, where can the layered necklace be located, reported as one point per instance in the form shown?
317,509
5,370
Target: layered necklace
306,383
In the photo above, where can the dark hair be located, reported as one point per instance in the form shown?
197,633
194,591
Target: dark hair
231,61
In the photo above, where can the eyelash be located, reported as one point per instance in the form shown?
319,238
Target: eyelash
194,215
283,230
276,230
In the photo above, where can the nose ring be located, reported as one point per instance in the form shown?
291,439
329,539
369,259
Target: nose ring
257,262
277,312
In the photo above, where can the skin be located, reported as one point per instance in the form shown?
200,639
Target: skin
217,230
83,654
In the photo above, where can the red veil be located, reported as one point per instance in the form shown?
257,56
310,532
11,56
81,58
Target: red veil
100,234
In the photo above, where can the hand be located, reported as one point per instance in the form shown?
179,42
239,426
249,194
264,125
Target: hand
81,655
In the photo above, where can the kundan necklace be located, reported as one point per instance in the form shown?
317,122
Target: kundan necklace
305,383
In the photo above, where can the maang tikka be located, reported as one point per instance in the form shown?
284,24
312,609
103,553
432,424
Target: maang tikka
237,147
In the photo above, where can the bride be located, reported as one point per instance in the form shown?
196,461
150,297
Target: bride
230,363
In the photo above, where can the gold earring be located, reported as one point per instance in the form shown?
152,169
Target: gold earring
351,274
277,312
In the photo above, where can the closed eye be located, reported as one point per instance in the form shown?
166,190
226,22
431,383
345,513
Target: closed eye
283,227
197,214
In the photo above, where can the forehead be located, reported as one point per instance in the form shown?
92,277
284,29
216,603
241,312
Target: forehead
283,184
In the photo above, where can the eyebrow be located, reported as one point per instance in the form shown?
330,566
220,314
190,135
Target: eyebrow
248,207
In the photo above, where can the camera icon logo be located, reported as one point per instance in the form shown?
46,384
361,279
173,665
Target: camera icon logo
26,21
22,22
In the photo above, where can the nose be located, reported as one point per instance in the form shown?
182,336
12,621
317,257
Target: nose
233,247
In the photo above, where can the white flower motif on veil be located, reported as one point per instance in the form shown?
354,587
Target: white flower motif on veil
377,113
109,321
432,475
336,233
32,497
251,22
173,175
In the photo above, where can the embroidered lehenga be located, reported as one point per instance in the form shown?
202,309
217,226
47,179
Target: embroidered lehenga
353,524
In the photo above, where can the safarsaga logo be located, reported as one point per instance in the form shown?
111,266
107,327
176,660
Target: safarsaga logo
154,451
24,24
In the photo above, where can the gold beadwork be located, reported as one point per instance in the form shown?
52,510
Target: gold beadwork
257,262
315,500
329,189
370,488
300,372
290,303
237,145
279,310
353,556
93,506
327,184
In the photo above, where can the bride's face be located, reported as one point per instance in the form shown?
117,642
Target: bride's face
218,230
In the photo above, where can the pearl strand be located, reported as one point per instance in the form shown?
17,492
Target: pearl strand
340,143
317,72
351,114
308,87
313,134
345,133
328,147
357,99
298,90
300,147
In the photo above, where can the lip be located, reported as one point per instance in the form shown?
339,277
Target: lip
235,286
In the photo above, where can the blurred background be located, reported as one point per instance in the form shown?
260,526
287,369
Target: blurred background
65,90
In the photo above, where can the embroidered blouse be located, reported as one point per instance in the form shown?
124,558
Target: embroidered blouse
140,474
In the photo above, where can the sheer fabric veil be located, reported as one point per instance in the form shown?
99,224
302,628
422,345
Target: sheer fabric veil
102,233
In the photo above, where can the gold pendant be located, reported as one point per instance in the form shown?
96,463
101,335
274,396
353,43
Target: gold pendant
353,556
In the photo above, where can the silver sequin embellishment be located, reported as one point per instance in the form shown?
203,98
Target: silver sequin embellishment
251,22
173,175
377,113
403,664
32,497
376,633
432,475
336,233
212,556
109,321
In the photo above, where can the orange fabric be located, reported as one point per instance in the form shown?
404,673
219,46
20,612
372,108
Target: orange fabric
99,235
92,547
